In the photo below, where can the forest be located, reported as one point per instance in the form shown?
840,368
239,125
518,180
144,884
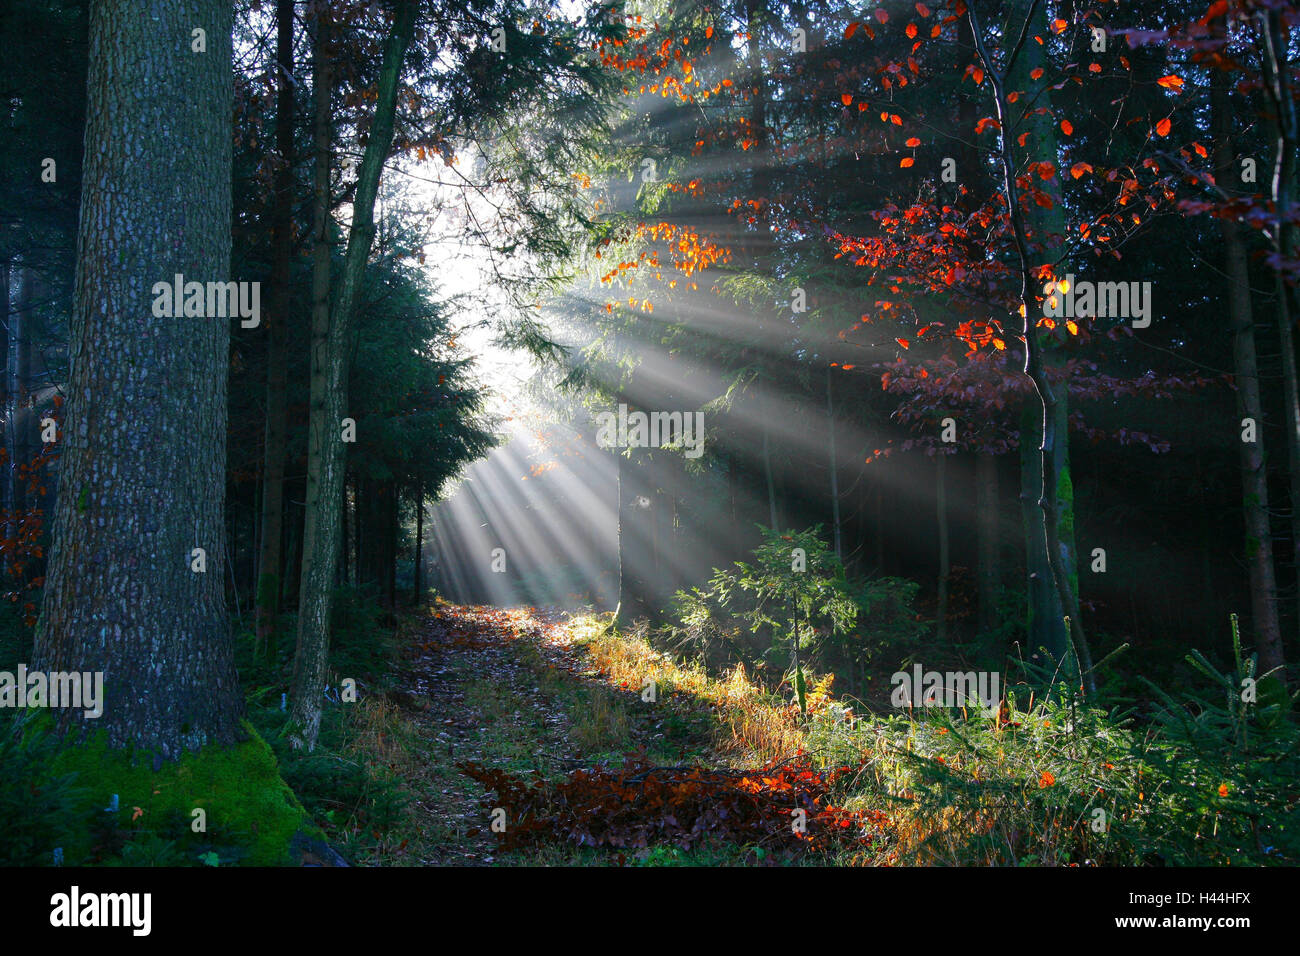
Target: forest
648,433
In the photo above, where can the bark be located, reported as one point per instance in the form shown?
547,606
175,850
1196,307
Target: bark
419,540
986,525
277,320
835,479
945,559
771,486
1051,453
325,448
312,649
9,473
1254,470
1277,73
623,609
144,448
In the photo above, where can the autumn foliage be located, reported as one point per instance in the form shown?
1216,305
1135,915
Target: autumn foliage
639,805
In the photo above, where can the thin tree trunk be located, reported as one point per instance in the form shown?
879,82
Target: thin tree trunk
326,451
143,465
314,606
834,469
771,486
1254,470
9,473
986,524
277,414
1277,72
945,559
1052,431
623,609
419,539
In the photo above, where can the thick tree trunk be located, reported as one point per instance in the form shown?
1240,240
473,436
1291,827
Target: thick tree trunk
326,451
277,319
144,448
1254,470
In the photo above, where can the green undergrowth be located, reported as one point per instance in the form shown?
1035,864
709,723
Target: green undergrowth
349,783
59,803
1206,776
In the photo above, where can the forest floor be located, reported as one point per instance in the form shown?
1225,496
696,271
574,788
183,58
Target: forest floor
532,710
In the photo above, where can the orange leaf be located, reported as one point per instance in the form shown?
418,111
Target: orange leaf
977,75
1036,73
913,142
708,33
907,161
911,31
882,16
1059,25
999,345
846,98
1163,127
922,9
1067,127
1078,169
904,343
852,29
1171,82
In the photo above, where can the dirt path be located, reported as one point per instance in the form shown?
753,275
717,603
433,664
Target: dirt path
508,688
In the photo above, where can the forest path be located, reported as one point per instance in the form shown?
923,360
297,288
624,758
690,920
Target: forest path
508,689
543,720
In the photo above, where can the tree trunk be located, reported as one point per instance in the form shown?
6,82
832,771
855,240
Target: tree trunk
9,472
834,466
418,592
143,463
945,559
312,649
1277,72
1051,453
986,524
623,609
771,486
1254,470
277,319
325,450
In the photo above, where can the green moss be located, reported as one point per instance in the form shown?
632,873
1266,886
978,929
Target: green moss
248,804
